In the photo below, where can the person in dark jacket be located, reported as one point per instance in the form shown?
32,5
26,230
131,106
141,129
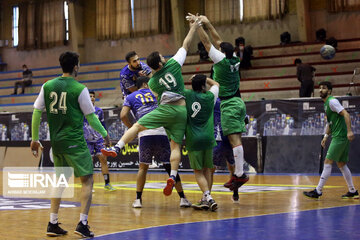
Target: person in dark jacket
305,73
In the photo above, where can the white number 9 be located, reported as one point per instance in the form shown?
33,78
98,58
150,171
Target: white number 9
196,107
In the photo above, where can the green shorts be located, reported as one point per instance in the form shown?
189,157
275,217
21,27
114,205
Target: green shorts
338,150
80,161
233,112
201,159
171,117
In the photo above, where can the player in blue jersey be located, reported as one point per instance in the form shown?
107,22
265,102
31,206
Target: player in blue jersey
152,142
223,151
95,143
131,72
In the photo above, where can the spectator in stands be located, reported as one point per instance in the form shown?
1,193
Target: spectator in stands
131,72
305,73
26,80
239,47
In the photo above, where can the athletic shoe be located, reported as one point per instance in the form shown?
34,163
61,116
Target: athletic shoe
137,203
170,183
238,181
109,188
184,203
228,183
350,195
212,205
83,230
312,194
235,198
201,205
53,230
110,151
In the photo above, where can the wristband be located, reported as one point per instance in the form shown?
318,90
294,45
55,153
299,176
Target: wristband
326,135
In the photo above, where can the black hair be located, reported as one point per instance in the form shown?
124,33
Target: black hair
239,40
198,82
68,60
24,66
297,61
92,92
228,49
141,80
130,55
153,60
327,84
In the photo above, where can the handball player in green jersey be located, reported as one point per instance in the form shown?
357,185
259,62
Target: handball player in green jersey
339,127
167,85
232,107
67,102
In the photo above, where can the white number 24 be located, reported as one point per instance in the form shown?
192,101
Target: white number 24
62,102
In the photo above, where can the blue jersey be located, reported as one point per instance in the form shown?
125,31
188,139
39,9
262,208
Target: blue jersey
141,102
90,134
128,77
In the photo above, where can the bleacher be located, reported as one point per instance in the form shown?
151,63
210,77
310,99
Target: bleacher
273,75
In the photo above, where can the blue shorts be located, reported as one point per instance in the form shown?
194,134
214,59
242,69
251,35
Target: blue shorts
95,147
156,146
223,152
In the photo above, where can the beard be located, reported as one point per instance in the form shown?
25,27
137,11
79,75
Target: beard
323,95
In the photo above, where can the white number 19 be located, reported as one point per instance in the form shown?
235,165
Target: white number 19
169,78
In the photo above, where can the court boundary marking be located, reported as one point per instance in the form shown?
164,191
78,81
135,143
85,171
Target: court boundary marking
260,215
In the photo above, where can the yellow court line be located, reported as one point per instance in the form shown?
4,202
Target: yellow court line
100,186
252,184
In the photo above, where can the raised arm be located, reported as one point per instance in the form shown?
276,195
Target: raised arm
189,37
204,38
214,88
213,33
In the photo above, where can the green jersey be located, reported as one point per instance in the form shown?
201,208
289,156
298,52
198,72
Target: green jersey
336,121
168,79
200,120
64,115
226,72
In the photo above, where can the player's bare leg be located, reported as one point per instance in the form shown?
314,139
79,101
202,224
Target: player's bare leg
105,172
175,157
140,183
239,178
129,135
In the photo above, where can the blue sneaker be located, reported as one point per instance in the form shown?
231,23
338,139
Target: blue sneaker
110,151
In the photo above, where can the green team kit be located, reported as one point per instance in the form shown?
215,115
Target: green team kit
65,119
172,117
233,110
200,129
339,146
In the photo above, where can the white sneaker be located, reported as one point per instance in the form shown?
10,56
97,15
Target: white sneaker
184,203
137,203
